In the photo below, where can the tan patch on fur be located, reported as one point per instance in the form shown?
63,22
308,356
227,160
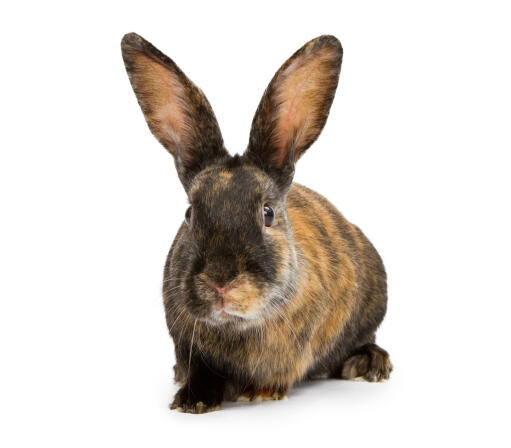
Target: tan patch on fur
244,297
222,179
225,175
335,289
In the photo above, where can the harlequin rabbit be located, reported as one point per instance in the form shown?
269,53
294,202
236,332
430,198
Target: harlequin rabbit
266,283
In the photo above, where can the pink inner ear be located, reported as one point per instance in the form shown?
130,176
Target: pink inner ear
301,94
162,93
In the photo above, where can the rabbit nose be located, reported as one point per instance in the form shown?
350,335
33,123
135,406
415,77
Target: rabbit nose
221,290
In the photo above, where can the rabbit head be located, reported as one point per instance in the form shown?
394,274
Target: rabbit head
234,259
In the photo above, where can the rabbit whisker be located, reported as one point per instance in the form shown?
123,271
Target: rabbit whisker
191,349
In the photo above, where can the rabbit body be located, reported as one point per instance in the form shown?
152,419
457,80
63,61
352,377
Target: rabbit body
266,283
339,300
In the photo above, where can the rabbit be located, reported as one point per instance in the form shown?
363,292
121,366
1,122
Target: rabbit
266,284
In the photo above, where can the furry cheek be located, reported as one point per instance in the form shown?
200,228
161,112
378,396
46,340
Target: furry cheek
245,298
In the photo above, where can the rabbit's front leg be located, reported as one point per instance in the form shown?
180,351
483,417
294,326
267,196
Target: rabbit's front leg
202,391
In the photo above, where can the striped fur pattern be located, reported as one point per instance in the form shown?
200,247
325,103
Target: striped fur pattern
253,309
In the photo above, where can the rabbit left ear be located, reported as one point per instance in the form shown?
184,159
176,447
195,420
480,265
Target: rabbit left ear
177,112
295,106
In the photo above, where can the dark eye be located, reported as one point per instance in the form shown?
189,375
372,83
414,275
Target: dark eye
188,215
268,216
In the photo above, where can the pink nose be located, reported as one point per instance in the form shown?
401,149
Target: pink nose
221,290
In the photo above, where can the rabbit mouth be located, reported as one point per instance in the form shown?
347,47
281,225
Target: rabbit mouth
240,300
224,315
222,310
219,317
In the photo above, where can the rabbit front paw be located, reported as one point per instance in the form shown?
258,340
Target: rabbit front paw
199,402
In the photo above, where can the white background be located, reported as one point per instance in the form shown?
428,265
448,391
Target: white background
415,152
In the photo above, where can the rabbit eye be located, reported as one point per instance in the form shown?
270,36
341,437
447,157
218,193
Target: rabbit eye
188,215
269,215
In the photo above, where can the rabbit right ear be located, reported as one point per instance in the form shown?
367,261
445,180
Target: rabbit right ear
177,112
294,107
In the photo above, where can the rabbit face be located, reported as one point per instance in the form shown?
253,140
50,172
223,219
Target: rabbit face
237,267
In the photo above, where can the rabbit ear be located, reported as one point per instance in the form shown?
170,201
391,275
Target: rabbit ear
295,105
177,112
